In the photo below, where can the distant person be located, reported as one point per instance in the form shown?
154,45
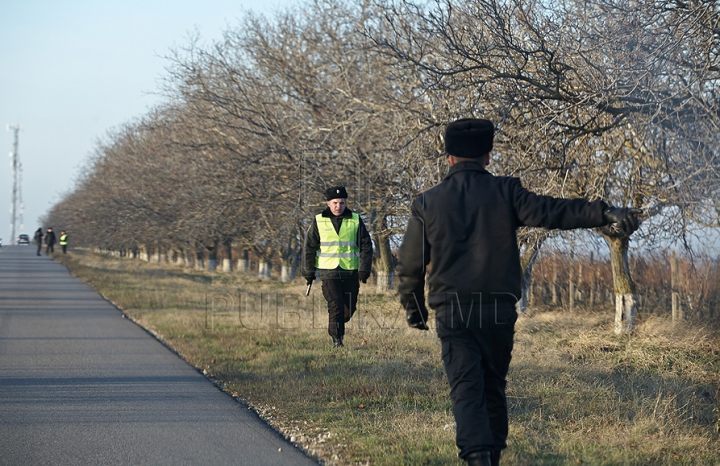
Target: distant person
464,228
38,239
63,241
50,241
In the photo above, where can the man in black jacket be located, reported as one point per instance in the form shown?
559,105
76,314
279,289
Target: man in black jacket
38,239
465,228
338,249
50,241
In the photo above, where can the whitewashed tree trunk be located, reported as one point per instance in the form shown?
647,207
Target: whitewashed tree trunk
384,278
385,262
199,260
185,257
243,263
286,272
625,299
227,264
264,269
213,257
625,310
527,261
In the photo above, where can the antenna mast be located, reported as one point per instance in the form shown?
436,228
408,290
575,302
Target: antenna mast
16,189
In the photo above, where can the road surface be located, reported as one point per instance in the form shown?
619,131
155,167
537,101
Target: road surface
80,385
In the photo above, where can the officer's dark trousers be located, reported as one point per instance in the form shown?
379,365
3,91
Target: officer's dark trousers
50,248
476,352
341,297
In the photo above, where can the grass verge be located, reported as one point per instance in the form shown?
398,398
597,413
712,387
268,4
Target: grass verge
578,394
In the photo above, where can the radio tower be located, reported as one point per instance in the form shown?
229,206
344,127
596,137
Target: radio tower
16,189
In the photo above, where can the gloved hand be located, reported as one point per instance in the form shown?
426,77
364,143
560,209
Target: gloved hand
625,218
309,278
363,276
417,318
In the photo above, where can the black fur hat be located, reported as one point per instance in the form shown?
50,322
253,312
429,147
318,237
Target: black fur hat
336,192
469,138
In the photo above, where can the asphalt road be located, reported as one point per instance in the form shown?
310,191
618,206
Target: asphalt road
80,385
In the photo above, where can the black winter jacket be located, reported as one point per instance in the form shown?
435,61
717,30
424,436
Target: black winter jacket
50,237
465,229
312,244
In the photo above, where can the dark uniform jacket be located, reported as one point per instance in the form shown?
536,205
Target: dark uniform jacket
465,229
50,237
312,244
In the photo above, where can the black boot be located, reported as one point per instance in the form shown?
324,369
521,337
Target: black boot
337,341
479,458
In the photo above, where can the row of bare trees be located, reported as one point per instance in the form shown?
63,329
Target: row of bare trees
610,99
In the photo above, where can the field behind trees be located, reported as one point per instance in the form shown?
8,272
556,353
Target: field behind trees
578,393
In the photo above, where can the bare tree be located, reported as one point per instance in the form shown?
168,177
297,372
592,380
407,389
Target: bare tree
588,93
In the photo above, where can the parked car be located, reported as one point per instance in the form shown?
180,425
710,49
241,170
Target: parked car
23,239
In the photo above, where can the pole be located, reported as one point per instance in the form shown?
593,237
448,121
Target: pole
15,164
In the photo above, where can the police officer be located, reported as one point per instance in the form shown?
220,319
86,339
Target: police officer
465,227
63,241
338,250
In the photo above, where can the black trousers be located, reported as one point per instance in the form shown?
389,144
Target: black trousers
50,248
477,344
341,296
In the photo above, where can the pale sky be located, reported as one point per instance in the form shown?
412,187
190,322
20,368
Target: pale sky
72,70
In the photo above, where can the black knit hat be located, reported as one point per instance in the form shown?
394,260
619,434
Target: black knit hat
336,192
469,138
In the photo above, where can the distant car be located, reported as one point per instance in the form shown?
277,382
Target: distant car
23,239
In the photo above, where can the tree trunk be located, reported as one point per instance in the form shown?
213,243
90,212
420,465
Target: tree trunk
593,281
264,268
623,286
212,257
384,263
677,312
243,263
527,260
289,257
227,260
199,259
571,282
580,284
553,284
286,274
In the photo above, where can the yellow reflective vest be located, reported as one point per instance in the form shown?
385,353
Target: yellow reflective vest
338,249
63,240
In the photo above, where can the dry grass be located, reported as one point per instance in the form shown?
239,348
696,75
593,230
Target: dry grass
578,394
